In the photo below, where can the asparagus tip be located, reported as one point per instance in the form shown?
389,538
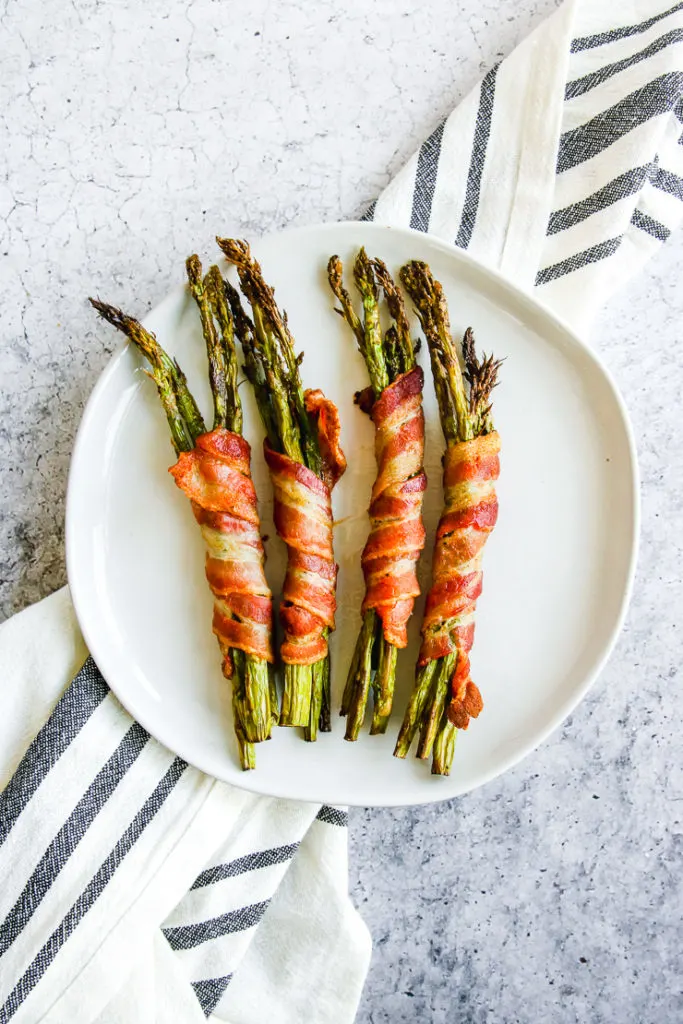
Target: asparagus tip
194,270
114,316
335,270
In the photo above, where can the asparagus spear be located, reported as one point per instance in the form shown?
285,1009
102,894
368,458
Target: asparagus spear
463,386
252,715
184,419
244,329
370,342
210,298
272,367
222,411
374,660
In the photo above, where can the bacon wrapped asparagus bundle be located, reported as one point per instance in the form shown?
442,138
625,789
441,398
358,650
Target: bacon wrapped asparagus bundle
305,461
394,403
213,470
445,698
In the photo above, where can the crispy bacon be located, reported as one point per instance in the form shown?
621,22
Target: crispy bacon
326,417
470,510
397,535
303,519
216,477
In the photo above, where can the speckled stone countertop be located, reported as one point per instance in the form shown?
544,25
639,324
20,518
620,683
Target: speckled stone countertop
130,134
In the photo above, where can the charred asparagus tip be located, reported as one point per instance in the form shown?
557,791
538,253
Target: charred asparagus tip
404,343
236,250
364,274
184,419
334,274
133,329
218,300
482,377
214,350
111,314
194,270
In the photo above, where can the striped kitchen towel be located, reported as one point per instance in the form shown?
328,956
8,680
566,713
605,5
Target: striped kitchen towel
564,167
134,888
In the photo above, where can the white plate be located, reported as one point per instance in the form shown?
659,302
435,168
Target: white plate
557,569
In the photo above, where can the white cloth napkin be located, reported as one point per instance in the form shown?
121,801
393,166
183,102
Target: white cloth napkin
133,885
564,168
134,888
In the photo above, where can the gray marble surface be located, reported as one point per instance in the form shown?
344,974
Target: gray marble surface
130,134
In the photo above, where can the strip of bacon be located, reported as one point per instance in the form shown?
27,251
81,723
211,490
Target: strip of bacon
216,477
471,469
325,414
397,534
303,519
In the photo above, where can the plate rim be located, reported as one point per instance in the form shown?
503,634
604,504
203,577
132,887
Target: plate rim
534,306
